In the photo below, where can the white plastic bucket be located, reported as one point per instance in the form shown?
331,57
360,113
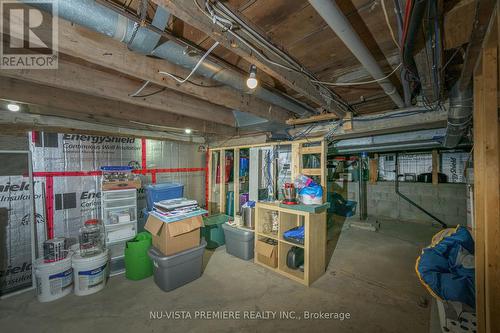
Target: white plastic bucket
90,273
53,280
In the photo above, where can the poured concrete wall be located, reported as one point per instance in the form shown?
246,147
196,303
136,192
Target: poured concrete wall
445,201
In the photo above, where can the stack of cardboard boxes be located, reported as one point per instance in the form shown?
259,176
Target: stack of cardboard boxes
177,251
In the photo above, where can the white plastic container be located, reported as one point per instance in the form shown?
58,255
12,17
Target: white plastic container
90,273
53,280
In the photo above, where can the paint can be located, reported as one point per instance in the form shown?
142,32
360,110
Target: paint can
54,249
90,273
53,280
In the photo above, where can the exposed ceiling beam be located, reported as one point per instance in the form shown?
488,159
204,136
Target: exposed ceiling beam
58,102
189,13
312,119
384,123
484,10
87,80
11,122
95,48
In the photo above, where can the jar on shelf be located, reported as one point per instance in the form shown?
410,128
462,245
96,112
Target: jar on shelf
91,238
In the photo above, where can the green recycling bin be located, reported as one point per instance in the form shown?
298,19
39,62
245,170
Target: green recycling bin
212,230
138,265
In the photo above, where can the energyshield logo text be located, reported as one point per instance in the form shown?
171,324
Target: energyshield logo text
97,139
30,34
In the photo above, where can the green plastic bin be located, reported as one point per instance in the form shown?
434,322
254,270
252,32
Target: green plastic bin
212,231
138,265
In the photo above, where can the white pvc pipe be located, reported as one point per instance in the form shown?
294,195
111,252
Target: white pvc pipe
337,21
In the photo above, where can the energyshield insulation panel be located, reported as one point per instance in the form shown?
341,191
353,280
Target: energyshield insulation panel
76,198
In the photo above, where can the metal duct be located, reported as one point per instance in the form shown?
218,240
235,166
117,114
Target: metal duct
459,115
408,141
99,18
337,21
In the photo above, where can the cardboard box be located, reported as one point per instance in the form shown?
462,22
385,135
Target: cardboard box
267,253
121,185
171,238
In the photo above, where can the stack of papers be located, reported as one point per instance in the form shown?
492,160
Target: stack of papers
176,207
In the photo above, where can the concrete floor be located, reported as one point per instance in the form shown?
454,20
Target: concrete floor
370,276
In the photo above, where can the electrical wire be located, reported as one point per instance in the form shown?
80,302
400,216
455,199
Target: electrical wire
152,93
389,25
175,77
140,89
227,26
143,10
343,84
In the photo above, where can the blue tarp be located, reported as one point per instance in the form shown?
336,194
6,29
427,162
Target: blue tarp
446,268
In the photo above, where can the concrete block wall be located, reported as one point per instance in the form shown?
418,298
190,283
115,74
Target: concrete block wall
445,201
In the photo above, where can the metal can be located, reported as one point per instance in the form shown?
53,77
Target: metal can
54,249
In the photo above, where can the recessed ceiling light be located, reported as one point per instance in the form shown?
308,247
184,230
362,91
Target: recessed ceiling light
188,131
13,107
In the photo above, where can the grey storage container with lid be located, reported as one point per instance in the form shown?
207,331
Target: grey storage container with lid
171,272
239,242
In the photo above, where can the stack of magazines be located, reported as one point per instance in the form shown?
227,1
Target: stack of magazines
176,207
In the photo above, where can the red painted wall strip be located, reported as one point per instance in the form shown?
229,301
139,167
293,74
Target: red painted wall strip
49,205
153,177
67,173
207,160
144,151
98,173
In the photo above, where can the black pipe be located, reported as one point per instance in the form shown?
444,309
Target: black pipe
411,202
416,16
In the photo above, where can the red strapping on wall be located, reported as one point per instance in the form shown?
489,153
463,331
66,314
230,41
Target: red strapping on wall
49,205
49,184
207,160
144,151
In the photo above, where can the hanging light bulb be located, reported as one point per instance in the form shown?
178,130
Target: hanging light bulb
252,81
188,131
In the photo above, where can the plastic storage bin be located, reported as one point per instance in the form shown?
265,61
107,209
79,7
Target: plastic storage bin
165,191
212,231
179,269
239,242
138,265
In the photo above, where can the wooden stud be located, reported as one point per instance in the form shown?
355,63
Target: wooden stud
347,126
435,167
374,169
222,193
487,183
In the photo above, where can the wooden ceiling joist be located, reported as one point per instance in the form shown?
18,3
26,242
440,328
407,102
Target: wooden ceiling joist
484,11
59,102
98,49
299,82
90,81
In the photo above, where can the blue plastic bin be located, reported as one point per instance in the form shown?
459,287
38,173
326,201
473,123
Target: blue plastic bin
165,191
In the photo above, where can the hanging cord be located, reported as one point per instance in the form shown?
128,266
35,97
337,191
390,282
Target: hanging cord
389,25
140,89
175,77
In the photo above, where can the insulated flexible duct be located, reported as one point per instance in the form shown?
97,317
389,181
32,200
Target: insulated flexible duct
99,18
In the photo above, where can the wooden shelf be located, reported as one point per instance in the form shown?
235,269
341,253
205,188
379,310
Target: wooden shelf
314,240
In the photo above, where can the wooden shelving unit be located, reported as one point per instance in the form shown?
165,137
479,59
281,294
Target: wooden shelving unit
300,148
314,240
